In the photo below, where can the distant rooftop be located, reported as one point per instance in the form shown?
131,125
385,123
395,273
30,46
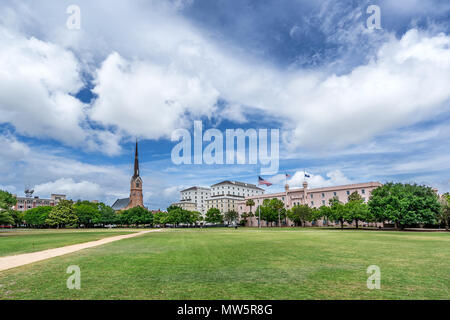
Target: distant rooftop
323,189
237,183
195,188
120,204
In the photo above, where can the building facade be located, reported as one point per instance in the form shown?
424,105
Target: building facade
226,195
29,202
314,198
186,205
136,198
196,195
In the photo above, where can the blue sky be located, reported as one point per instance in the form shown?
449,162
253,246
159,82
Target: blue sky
352,104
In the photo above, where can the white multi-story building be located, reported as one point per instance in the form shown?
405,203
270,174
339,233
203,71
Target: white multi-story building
226,195
194,196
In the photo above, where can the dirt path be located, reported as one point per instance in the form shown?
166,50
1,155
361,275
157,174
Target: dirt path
27,258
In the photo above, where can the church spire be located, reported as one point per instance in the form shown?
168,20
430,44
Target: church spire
136,162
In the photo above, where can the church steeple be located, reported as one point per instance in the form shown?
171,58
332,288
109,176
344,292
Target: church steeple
136,162
136,196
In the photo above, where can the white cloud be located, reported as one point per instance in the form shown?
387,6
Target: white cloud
333,178
172,192
85,190
234,112
149,100
36,82
165,72
157,81
12,149
407,82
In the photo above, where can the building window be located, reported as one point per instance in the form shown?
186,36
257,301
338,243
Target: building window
335,194
363,191
323,195
323,202
312,196
312,203
348,192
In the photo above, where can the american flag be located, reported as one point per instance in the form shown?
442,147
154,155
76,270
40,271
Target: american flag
265,182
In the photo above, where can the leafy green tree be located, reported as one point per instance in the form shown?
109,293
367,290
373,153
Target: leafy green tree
36,217
214,216
160,218
299,214
7,200
62,215
231,216
195,217
185,217
137,216
325,212
404,204
264,212
317,214
122,218
87,212
17,217
443,216
356,209
272,210
106,215
354,196
7,215
174,215
173,208
337,211
6,218
278,212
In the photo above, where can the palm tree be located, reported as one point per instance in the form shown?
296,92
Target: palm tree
250,203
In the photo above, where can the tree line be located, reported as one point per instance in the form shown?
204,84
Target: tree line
402,204
85,214
67,213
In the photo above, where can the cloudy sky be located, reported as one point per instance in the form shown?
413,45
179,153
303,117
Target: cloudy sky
352,104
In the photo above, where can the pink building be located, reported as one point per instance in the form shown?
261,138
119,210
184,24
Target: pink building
26,203
314,198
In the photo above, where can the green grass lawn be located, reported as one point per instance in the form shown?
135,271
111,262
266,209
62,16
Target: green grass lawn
24,241
245,264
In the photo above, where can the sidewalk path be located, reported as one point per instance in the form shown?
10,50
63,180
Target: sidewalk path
27,258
